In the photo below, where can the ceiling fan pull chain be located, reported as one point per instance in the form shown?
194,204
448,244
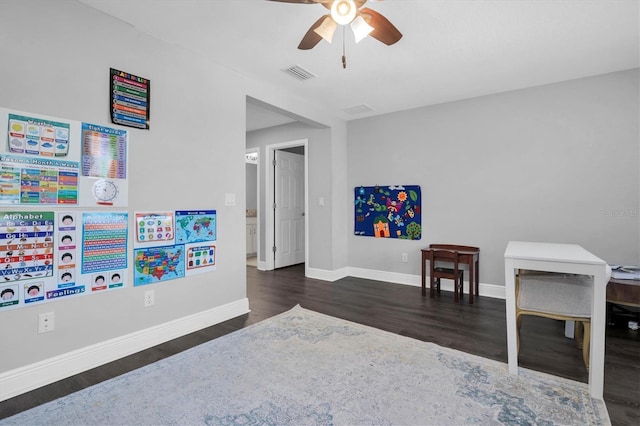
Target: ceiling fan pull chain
344,54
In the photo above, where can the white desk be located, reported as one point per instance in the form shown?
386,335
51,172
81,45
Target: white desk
567,258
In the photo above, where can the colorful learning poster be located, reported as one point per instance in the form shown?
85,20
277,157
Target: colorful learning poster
195,226
104,152
38,181
26,245
154,228
388,211
37,136
104,241
200,258
130,97
156,264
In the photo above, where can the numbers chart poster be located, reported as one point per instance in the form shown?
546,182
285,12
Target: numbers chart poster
38,165
388,211
40,255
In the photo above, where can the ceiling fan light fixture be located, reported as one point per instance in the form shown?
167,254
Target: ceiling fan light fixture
360,28
326,29
343,11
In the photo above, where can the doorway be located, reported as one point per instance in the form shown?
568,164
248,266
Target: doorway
286,224
252,182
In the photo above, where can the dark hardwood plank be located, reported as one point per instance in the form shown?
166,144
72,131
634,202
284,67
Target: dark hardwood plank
479,329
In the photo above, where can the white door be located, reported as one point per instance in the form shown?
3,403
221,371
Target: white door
289,209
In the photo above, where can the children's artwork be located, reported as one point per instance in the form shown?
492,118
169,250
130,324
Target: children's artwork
388,211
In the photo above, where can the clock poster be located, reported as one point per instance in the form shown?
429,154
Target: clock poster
104,163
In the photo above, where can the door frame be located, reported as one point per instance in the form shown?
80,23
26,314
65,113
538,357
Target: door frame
259,209
269,263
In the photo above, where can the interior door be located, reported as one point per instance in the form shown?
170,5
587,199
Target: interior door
289,209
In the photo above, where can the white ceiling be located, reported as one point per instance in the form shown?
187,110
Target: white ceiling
450,49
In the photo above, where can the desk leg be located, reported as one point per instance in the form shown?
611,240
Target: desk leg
424,278
471,281
512,337
477,265
598,328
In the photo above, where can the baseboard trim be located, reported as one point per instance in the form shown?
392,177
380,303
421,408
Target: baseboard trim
487,290
42,373
325,275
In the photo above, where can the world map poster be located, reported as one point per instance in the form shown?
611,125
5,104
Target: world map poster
195,226
155,264
388,211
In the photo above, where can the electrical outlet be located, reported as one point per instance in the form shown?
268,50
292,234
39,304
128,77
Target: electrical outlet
149,298
405,257
45,322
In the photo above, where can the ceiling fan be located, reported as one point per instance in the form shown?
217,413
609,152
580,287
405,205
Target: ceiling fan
362,20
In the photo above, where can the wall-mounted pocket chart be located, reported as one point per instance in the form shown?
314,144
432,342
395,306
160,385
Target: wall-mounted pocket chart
393,211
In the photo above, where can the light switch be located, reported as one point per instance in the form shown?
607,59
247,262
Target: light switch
321,201
229,199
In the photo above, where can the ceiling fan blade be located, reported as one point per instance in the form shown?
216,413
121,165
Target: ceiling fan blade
300,1
311,38
383,30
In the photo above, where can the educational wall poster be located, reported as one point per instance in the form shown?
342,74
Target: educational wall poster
155,264
50,161
41,261
200,258
104,241
154,229
388,211
130,99
104,156
38,181
193,226
37,136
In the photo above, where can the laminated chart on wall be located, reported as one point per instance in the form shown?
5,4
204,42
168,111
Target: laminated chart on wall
193,233
38,165
388,211
154,229
51,161
41,259
104,166
104,250
197,230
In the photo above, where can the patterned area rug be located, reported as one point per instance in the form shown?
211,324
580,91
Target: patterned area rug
306,368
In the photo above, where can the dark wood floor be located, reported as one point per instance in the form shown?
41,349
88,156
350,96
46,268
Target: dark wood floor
478,329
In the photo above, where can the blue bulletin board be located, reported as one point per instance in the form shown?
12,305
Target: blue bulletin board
388,211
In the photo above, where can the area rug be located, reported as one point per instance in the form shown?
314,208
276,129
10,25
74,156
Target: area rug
305,368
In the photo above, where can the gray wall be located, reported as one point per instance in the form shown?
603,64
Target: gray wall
320,178
60,67
556,163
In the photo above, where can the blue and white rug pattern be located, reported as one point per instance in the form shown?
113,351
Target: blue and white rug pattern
305,368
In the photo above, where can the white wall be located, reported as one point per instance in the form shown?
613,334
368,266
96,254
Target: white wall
556,163
252,186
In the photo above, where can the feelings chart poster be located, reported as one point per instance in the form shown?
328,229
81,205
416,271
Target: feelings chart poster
388,211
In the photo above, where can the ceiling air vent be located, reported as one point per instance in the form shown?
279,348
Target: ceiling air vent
358,109
299,73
